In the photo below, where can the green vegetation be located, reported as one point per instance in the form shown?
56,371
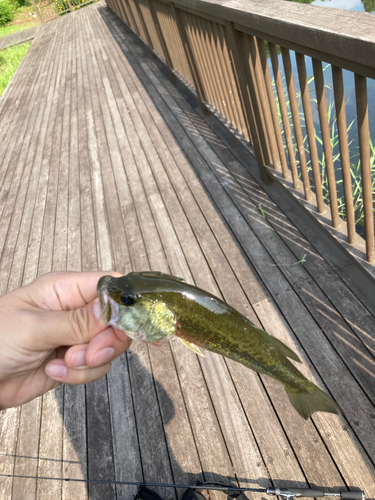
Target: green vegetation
9,61
368,5
24,17
6,12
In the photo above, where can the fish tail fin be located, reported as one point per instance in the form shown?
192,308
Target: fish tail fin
306,403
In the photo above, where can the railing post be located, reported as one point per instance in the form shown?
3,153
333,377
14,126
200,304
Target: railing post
365,158
160,35
37,11
246,91
190,59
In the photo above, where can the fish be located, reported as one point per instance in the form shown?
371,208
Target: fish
152,307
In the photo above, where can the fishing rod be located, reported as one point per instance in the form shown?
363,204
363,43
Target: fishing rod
287,493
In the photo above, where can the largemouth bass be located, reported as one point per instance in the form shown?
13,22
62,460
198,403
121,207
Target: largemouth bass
152,307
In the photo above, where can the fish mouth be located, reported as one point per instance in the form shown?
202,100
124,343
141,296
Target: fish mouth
108,306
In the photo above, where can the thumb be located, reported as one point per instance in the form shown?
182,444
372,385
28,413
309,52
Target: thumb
68,328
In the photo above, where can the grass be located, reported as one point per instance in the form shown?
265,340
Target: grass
9,61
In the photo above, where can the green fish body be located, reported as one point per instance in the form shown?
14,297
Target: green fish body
152,307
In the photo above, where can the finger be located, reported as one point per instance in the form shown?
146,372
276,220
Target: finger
64,290
55,328
58,371
103,348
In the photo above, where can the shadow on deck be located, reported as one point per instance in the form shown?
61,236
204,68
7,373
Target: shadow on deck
108,164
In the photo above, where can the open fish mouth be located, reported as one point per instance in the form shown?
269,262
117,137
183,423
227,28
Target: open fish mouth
109,308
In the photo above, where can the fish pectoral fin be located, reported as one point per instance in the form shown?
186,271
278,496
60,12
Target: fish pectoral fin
192,346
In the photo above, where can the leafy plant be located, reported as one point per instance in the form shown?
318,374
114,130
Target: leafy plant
6,12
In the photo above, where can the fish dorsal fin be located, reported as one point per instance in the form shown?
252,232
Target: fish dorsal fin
158,274
192,346
282,348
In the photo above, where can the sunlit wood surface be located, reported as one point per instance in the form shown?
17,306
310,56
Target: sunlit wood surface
106,163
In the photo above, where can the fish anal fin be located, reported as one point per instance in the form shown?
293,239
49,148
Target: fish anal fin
308,403
192,346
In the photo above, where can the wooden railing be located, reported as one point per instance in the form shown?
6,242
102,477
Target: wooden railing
228,51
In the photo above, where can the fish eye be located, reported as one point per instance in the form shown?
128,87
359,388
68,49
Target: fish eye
127,300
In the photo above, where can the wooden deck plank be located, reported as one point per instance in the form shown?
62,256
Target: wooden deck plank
262,264
14,143
50,450
159,210
151,451
100,459
161,214
117,169
237,305
29,424
199,220
147,120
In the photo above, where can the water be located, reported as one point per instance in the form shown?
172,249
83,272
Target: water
357,5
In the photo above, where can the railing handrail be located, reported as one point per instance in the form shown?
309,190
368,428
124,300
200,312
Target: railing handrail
334,33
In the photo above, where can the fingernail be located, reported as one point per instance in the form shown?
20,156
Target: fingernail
102,357
78,358
96,310
56,371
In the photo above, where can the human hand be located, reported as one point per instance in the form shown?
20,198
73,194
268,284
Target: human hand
51,332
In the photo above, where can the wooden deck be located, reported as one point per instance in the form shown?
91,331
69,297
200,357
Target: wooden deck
108,164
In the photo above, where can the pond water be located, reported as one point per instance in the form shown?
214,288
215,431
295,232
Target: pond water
357,5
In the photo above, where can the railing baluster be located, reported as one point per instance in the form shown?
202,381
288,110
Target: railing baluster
144,24
306,103
262,93
244,81
206,63
326,137
160,35
233,114
296,121
201,58
364,153
184,68
223,84
131,17
338,89
272,104
284,115
121,8
237,105
178,15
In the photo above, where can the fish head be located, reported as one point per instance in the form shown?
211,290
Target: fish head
126,305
